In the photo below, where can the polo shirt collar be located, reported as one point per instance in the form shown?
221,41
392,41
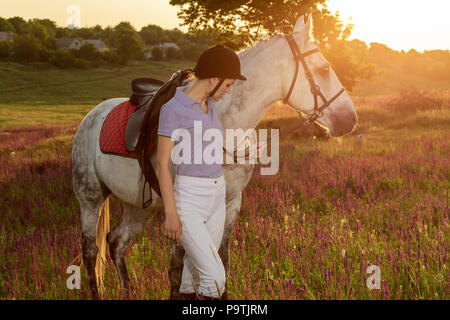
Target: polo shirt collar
188,101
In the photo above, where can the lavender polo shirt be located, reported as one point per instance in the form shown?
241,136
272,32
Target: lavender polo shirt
180,112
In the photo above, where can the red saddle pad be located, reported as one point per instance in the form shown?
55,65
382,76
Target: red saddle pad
112,136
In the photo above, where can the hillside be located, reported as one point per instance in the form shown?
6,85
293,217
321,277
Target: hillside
39,84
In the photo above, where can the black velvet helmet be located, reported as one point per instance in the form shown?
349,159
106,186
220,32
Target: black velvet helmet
219,62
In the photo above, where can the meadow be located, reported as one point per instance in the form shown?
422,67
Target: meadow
378,196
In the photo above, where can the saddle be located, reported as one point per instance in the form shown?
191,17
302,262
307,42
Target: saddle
149,95
143,91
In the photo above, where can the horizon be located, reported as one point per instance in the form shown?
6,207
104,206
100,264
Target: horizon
419,22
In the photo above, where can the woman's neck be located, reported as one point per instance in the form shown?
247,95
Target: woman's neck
198,91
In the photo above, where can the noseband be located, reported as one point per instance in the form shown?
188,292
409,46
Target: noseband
315,89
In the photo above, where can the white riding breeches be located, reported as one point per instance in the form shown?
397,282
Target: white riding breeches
200,203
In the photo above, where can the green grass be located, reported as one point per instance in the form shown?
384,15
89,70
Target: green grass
309,232
33,95
25,85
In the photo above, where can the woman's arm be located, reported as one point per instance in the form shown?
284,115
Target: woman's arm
172,224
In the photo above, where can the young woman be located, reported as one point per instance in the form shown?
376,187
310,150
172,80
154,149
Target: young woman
195,202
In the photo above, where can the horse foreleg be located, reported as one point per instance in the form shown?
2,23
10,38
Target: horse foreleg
175,271
232,210
133,222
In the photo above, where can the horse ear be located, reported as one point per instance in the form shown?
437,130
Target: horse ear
300,24
309,24
304,24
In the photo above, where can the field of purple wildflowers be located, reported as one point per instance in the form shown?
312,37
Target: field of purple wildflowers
376,197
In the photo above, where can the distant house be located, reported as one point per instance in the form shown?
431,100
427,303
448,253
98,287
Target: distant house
164,46
148,52
6,36
99,44
167,45
68,43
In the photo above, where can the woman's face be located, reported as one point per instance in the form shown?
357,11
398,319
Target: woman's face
223,89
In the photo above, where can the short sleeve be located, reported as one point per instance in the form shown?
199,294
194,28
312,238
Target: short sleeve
168,122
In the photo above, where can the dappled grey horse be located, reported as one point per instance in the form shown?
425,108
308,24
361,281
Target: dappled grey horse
282,67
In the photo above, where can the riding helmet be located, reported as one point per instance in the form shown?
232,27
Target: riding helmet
219,62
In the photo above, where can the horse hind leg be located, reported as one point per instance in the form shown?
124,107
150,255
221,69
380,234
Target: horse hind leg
132,223
175,271
89,218
91,195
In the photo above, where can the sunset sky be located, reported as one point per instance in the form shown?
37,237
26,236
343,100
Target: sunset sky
400,24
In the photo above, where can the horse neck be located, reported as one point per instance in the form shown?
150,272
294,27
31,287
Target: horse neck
249,100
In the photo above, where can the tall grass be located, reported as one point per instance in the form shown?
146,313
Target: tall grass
309,232
411,99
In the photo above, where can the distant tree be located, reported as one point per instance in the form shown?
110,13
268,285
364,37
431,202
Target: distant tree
5,49
43,33
19,24
379,51
110,56
359,49
174,35
204,37
108,37
249,20
97,31
49,25
63,59
172,53
129,44
348,66
6,26
84,33
27,47
157,53
88,52
46,55
239,23
62,33
151,34
39,31
192,51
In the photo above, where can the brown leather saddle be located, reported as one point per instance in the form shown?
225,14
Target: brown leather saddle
143,91
149,95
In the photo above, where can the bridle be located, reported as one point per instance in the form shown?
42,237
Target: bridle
315,89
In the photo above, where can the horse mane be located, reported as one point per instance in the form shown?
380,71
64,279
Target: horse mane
249,51
259,46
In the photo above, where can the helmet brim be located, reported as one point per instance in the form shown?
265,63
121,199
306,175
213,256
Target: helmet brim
241,77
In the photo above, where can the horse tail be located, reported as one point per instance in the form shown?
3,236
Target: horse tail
102,230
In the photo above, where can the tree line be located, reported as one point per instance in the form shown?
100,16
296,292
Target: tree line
236,24
35,41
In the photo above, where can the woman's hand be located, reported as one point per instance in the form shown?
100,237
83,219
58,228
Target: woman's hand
256,151
172,226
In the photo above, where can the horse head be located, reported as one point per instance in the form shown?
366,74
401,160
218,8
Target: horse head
314,89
